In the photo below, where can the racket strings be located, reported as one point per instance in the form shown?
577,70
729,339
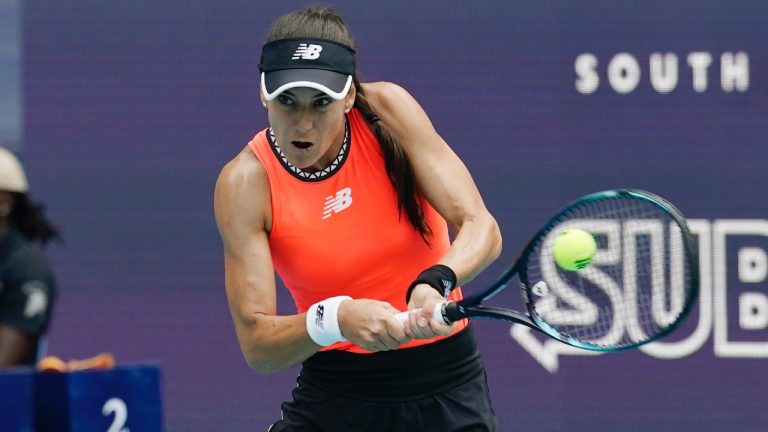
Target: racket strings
635,287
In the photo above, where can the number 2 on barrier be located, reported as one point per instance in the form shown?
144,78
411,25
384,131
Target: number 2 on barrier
117,407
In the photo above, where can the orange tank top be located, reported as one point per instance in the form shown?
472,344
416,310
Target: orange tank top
339,232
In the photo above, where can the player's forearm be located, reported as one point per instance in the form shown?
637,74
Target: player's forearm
271,343
477,245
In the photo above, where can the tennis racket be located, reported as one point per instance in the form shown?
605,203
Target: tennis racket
640,285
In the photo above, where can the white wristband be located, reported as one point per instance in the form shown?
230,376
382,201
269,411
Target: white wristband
323,321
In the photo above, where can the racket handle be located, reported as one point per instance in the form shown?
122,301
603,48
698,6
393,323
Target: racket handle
437,314
402,317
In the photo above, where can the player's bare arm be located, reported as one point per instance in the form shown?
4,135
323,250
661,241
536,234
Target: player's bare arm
242,206
447,185
443,179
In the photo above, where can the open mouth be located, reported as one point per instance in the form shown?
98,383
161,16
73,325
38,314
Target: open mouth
303,145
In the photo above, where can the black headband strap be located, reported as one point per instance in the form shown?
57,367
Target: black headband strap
307,53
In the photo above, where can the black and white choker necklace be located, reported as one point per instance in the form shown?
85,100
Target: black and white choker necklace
314,175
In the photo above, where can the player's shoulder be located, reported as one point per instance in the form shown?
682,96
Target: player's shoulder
243,171
386,96
242,192
384,89
400,111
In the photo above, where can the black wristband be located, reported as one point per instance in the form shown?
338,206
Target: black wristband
439,277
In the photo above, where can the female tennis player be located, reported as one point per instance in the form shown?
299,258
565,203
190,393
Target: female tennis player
348,196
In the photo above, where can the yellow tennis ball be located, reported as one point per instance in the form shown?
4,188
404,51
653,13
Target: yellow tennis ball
573,249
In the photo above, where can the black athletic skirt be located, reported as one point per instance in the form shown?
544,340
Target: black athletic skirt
437,387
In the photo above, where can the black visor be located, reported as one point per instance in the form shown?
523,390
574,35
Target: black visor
307,62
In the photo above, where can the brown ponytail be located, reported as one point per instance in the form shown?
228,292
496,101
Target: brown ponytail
399,169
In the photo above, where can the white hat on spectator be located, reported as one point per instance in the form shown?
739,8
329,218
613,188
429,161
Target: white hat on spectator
12,177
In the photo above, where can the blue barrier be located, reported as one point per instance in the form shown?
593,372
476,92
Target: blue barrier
16,400
123,399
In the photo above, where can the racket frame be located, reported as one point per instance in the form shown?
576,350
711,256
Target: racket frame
471,307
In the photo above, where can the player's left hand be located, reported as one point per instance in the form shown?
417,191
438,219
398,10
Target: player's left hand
420,324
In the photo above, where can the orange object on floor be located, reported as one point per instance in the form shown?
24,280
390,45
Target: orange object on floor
55,364
51,364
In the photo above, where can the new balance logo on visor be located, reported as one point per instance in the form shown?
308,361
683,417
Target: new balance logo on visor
337,203
307,52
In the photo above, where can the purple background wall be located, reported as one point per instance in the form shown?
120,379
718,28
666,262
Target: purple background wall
131,109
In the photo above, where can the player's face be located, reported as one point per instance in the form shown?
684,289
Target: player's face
308,125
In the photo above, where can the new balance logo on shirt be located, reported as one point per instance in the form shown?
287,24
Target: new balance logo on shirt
307,52
336,203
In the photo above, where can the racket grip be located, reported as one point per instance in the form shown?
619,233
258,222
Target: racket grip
402,317
438,316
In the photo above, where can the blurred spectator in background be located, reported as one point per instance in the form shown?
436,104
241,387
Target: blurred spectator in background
27,287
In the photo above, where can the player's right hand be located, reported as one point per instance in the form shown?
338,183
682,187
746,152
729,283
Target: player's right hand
371,325
420,322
